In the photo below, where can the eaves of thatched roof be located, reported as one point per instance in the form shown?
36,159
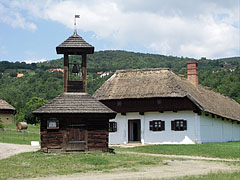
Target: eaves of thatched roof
149,83
76,103
5,106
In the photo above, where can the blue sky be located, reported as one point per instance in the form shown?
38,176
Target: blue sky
30,30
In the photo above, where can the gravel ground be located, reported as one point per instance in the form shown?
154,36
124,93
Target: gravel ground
7,150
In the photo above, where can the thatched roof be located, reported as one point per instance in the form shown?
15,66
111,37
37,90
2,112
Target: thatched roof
73,103
5,106
75,44
149,83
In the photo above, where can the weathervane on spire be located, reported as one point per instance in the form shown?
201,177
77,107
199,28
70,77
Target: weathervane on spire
75,23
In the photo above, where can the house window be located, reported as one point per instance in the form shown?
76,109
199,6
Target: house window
179,125
157,125
119,103
53,124
112,126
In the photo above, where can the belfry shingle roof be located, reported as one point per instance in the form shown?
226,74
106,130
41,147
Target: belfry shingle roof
74,103
75,44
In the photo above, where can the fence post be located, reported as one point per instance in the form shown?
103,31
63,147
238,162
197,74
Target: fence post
24,132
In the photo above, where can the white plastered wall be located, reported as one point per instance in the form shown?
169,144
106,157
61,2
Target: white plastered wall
190,136
217,130
7,118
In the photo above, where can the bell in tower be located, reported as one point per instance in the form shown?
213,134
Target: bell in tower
75,69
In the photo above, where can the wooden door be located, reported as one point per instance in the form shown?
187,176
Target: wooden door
76,138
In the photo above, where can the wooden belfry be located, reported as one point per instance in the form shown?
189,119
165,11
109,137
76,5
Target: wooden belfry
74,120
75,45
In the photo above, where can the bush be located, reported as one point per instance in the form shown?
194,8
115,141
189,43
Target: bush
19,117
31,105
1,123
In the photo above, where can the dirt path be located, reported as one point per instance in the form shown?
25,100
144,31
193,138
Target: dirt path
7,150
173,168
183,157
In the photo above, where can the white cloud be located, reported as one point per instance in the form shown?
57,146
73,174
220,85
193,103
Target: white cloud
14,18
184,28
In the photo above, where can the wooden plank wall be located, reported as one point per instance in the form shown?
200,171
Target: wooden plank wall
52,138
96,133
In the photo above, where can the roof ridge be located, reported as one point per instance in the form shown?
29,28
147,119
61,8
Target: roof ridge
145,69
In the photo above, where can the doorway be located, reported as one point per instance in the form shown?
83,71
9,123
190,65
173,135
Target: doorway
134,130
76,138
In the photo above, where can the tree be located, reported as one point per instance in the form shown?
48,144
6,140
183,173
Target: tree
13,74
32,105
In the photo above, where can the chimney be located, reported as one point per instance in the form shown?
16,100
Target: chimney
192,72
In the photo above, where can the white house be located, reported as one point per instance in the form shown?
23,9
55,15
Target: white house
156,106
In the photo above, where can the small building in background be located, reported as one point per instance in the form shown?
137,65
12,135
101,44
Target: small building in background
7,112
20,75
106,73
56,69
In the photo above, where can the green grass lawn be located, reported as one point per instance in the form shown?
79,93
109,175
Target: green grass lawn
26,165
11,135
219,150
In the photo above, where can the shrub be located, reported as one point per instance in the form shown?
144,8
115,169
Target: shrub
1,123
19,117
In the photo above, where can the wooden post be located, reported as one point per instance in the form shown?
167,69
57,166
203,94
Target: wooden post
24,133
2,134
84,72
66,61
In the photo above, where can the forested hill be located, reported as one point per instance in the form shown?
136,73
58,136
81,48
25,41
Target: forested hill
222,75
114,60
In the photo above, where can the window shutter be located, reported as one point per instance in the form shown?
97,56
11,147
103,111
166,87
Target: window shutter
173,125
114,126
163,125
151,125
184,125
109,127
